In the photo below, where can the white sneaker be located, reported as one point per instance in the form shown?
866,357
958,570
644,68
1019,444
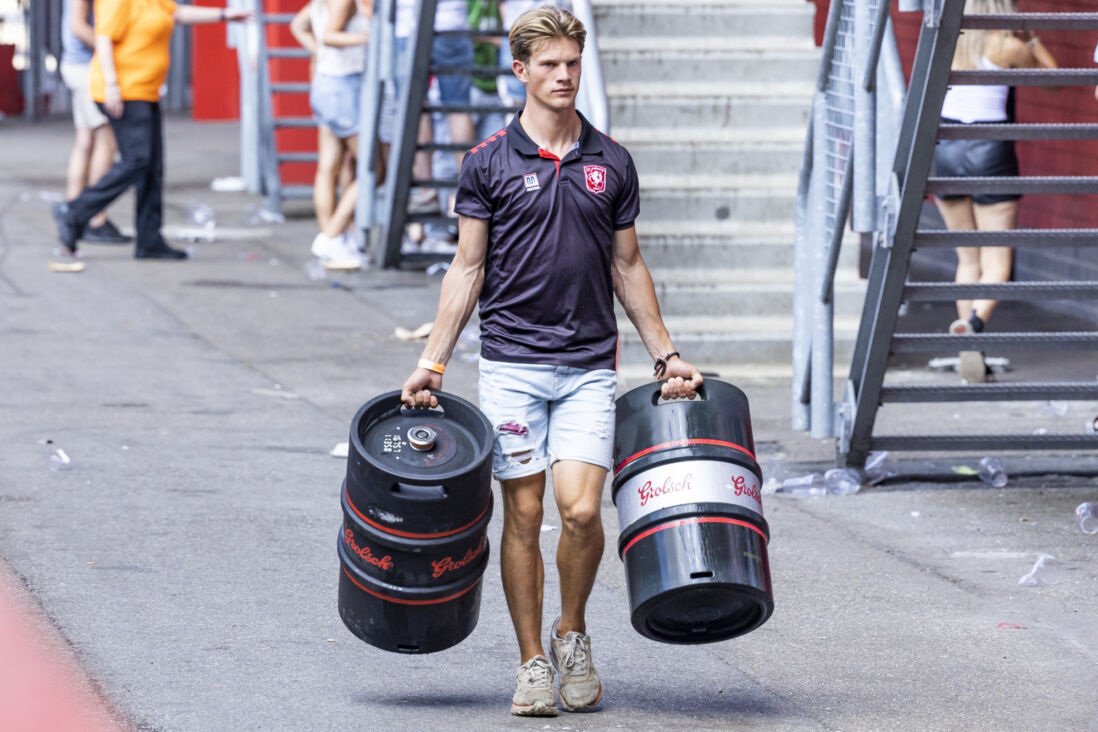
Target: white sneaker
326,247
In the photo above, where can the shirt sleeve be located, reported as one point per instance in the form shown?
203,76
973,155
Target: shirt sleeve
627,205
473,199
112,18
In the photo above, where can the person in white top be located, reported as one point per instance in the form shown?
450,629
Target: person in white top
336,33
969,104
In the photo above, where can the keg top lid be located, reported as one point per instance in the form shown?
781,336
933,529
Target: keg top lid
422,442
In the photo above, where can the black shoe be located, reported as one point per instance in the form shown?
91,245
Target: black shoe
163,251
105,233
67,231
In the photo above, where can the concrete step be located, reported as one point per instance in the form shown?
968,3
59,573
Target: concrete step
730,112
679,19
743,290
706,42
713,341
670,156
670,244
644,63
704,198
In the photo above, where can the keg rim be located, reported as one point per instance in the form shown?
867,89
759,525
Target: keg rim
444,398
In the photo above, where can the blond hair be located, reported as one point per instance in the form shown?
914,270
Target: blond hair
539,25
972,44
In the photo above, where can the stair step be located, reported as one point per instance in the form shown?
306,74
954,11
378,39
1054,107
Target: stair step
1014,184
987,131
684,19
745,292
931,342
1036,238
743,139
755,340
294,122
980,443
750,158
716,66
717,204
950,291
704,43
1016,392
731,112
1027,77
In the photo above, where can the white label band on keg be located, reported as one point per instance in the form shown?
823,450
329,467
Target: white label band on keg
687,481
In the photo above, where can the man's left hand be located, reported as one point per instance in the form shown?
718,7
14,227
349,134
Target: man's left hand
683,380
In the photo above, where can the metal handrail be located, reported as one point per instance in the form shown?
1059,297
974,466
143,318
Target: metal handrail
876,78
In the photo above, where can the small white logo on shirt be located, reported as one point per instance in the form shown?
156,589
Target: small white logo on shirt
531,182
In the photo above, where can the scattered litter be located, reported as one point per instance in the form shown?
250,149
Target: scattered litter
438,268
201,217
1055,409
314,270
842,482
46,196
227,184
1041,431
125,447
66,266
997,364
964,470
45,441
1012,626
255,215
915,514
414,335
340,450
60,460
547,527
803,485
879,467
276,393
992,472
331,640
1023,519
1046,571
1086,516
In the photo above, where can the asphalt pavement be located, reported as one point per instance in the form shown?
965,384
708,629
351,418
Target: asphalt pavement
187,553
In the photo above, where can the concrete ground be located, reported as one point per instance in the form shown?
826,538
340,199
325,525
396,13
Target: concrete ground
187,556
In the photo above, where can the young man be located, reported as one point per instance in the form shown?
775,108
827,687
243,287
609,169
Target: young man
546,238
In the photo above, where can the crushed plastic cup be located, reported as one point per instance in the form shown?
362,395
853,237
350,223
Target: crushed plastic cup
314,270
1086,516
256,215
879,467
773,470
1046,571
201,214
60,460
803,486
842,482
992,472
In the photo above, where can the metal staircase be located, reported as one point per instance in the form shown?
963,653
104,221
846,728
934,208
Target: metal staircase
888,288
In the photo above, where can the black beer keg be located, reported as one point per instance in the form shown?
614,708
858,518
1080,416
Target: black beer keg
416,504
693,538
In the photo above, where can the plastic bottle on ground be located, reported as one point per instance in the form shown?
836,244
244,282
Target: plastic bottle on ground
60,460
842,482
804,485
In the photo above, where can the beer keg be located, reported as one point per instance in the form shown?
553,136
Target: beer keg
416,505
693,538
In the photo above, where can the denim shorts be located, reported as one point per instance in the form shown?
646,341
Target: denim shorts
545,413
335,102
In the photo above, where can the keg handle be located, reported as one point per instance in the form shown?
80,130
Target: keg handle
419,492
657,400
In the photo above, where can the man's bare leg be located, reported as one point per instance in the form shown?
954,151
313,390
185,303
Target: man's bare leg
577,487
520,560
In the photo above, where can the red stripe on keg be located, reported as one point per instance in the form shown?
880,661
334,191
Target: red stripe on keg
401,601
409,534
695,520
683,443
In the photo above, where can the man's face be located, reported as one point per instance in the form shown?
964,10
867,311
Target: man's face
552,75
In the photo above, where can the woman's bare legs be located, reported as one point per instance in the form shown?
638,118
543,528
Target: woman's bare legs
959,216
328,165
344,212
995,262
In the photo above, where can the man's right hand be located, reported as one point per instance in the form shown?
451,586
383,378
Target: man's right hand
416,393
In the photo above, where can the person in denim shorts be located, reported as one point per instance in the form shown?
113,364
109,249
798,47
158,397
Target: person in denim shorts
546,239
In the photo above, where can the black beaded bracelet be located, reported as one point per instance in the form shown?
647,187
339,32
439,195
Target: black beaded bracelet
661,364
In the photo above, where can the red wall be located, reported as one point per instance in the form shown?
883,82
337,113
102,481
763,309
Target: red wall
1072,104
215,75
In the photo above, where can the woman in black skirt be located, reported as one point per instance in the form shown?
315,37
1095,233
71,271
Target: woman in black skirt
983,50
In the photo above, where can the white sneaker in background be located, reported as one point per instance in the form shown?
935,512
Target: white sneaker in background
326,247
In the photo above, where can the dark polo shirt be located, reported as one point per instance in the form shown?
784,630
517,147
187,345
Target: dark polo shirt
548,296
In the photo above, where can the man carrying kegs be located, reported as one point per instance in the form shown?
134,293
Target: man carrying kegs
546,239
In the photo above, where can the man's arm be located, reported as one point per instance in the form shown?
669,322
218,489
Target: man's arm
459,295
199,14
634,288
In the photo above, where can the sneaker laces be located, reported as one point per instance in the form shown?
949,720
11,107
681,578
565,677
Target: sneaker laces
537,672
574,658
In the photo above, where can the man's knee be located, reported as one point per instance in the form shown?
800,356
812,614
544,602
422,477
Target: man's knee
583,517
523,517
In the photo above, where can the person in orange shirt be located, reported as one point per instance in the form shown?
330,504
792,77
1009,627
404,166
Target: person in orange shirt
132,41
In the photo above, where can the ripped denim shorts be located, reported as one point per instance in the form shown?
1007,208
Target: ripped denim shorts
545,413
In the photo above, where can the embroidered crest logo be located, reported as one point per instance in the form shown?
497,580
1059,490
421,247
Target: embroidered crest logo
595,176
531,182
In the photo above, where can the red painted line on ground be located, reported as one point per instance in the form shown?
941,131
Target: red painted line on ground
42,687
683,443
684,522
